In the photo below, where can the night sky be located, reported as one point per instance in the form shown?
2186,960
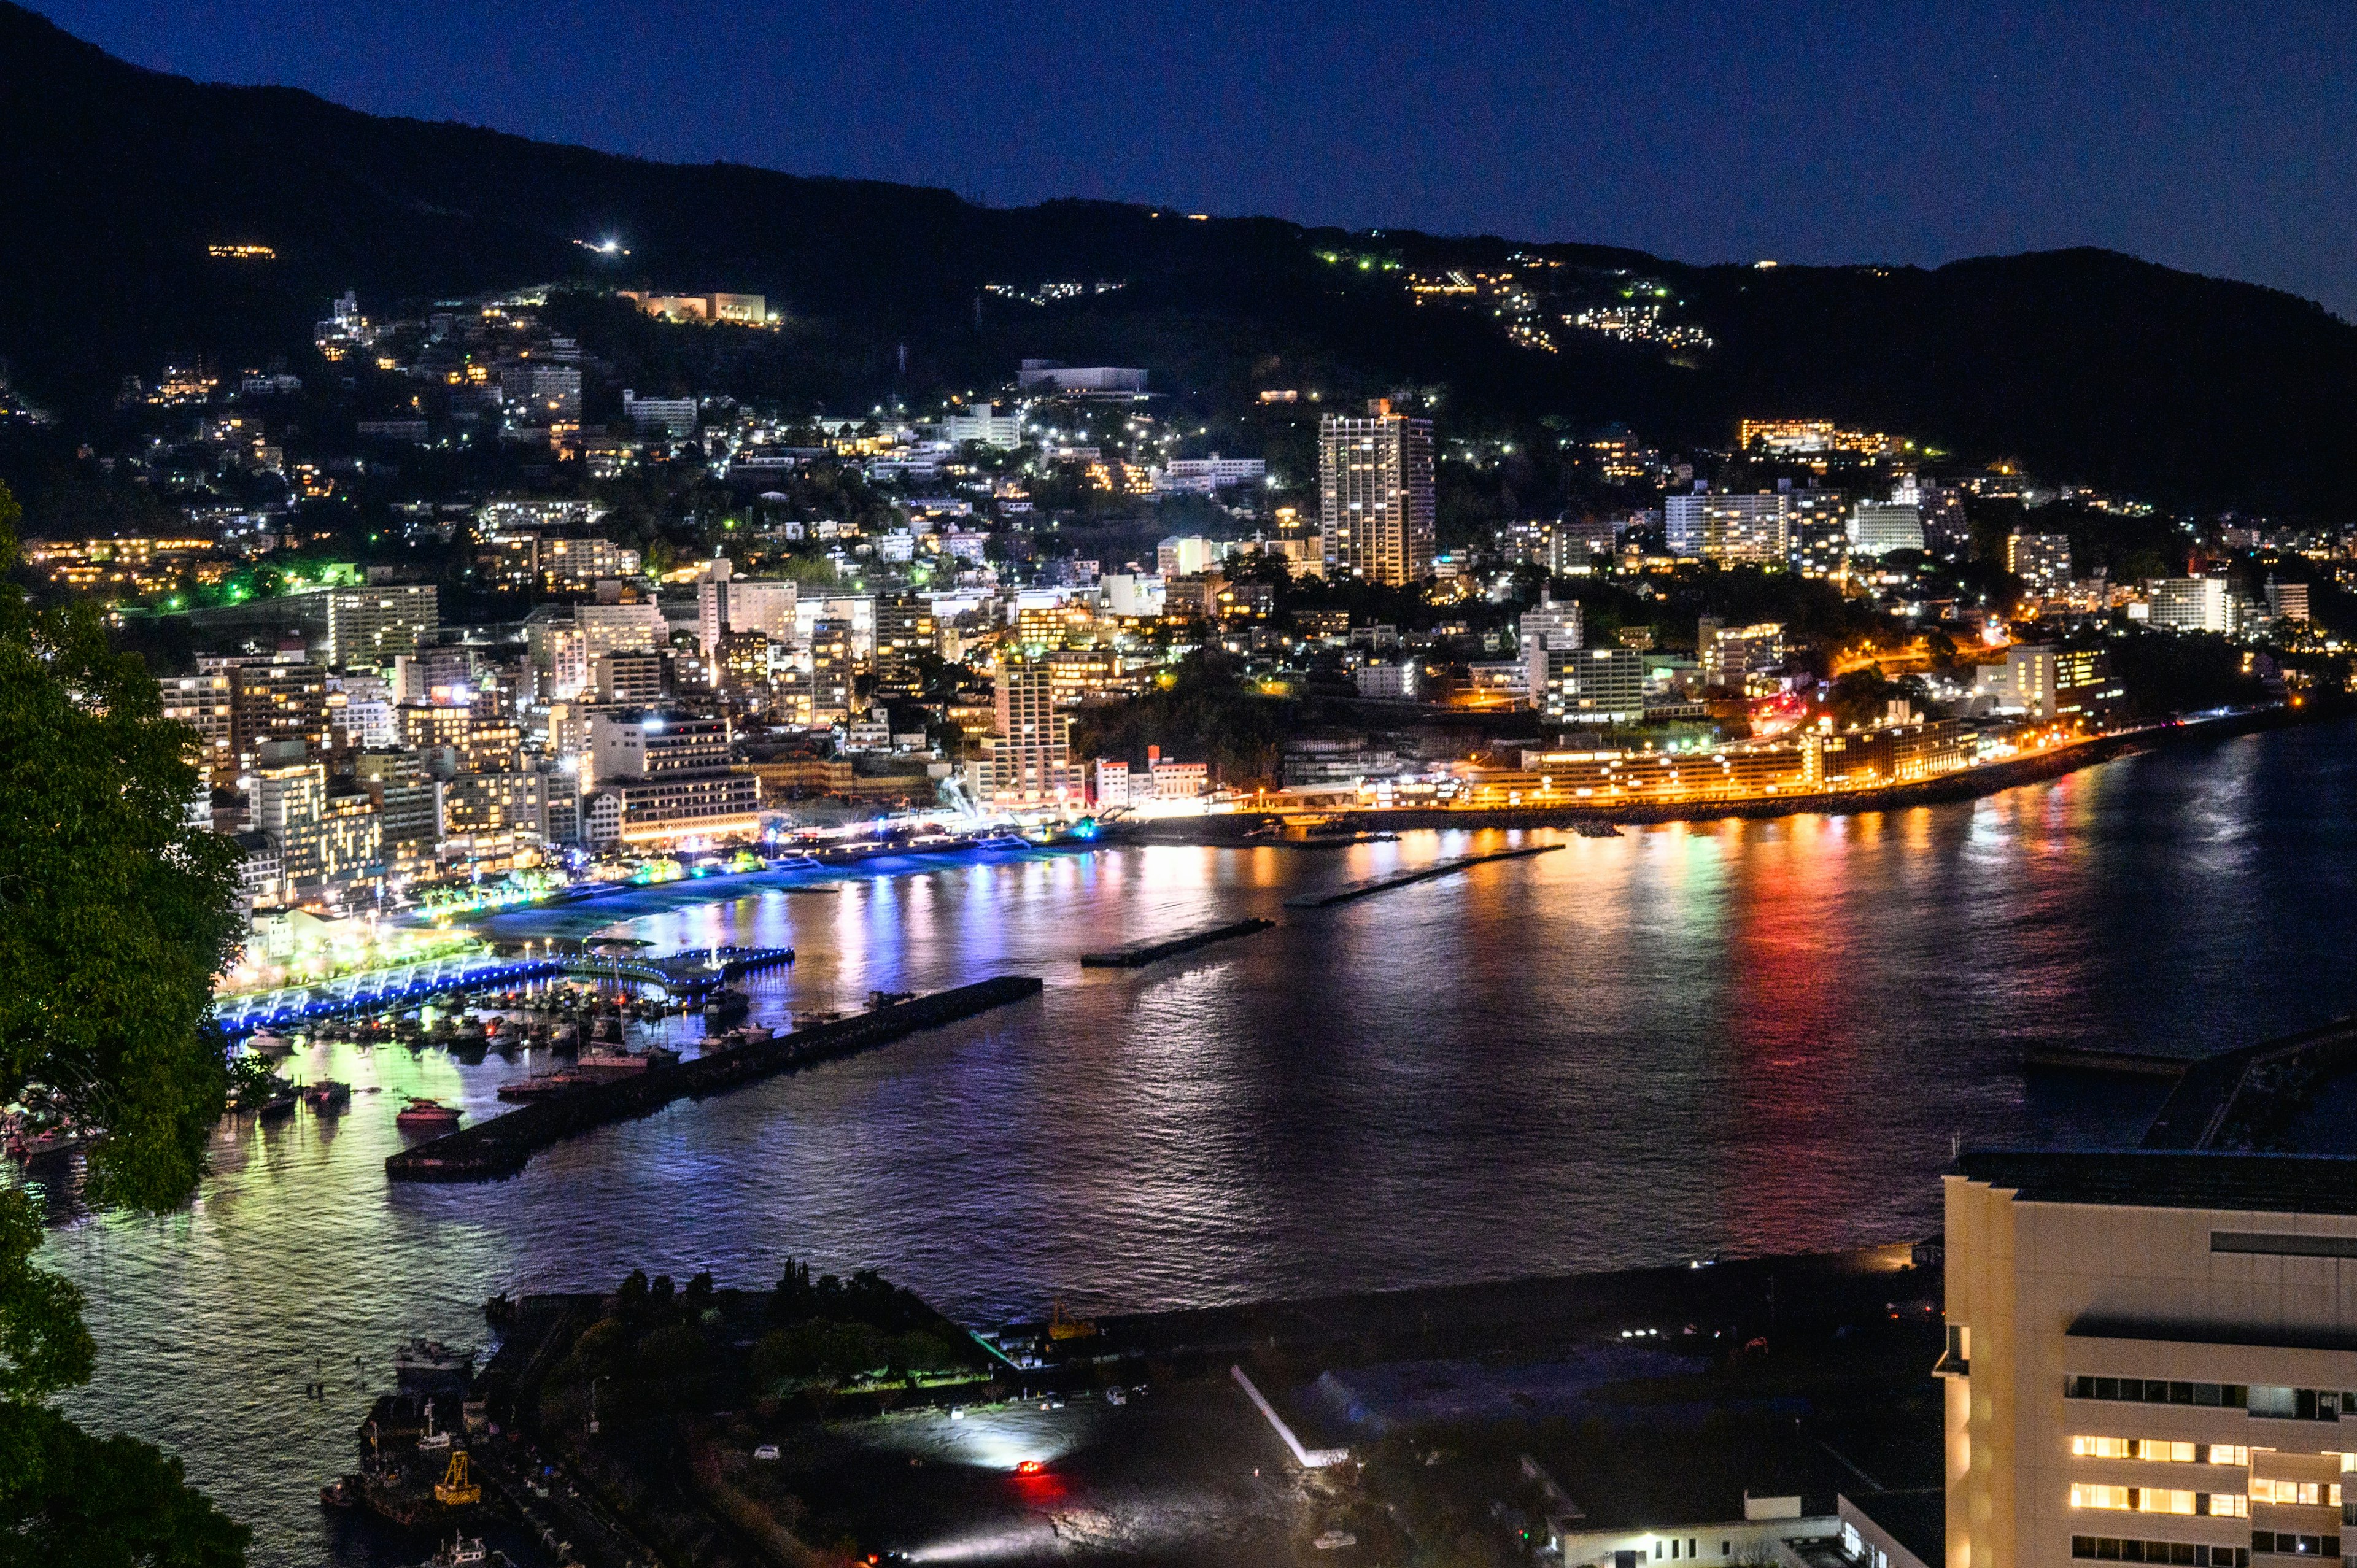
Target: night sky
2219,139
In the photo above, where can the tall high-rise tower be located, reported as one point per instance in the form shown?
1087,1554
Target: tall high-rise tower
1374,494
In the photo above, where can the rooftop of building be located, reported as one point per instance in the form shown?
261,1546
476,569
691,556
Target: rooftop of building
2172,1178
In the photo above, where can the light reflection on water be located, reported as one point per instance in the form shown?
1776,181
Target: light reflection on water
1718,1038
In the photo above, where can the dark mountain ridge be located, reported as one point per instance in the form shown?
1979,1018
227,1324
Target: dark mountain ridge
2084,364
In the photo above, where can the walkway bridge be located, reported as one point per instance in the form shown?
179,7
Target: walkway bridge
397,987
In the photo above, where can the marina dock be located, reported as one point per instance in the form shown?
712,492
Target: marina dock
1374,885
502,1146
1137,954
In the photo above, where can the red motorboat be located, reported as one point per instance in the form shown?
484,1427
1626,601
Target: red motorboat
428,1116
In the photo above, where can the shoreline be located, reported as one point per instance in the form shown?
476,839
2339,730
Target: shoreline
1967,784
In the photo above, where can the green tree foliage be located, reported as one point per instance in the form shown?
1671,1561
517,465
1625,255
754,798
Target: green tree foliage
44,1347
116,917
820,1349
1863,696
1204,713
101,1502
2170,673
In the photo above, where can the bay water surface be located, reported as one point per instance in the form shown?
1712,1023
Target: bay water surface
1718,1038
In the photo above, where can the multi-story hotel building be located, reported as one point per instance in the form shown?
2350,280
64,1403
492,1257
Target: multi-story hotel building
1375,495
1027,757
1712,525
669,777
2152,1357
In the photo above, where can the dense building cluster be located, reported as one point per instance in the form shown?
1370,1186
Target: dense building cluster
954,609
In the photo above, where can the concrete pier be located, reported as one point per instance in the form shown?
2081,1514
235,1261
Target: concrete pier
502,1145
1374,885
2082,1058
1137,954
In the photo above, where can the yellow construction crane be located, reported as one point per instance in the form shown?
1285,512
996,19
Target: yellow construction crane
1060,1326
457,1488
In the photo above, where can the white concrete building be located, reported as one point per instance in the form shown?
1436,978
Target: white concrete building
2152,1357
1877,528
2192,604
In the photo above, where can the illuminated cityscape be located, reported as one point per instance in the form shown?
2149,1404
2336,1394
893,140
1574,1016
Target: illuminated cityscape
973,856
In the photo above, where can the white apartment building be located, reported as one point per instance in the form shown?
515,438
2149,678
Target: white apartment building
1547,628
2192,604
2041,560
372,626
1711,525
1203,475
1877,528
983,423
673,416
1027,757
620,628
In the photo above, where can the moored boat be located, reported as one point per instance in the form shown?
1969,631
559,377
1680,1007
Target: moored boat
605,1057
542,1086
425,1366
31,1139
425,1115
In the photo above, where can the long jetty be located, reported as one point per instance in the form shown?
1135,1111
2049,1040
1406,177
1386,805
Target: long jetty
2086,1058
2243,1097
1137,954
1374,885
502,1145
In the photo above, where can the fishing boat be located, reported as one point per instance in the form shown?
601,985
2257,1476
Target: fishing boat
328,1094
728,1003
280,1103
429,1367
423,1115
